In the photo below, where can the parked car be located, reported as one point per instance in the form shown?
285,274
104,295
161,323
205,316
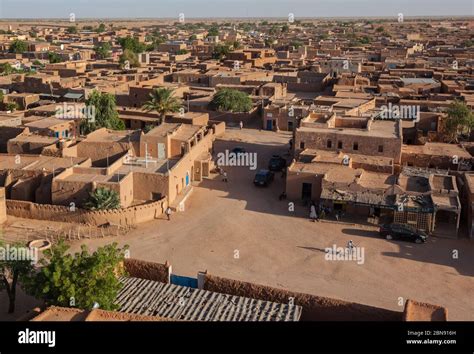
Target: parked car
402,232
276,163
263,178
238,150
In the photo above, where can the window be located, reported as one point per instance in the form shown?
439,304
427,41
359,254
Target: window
302,145
355,146
329,144
339,144
380,148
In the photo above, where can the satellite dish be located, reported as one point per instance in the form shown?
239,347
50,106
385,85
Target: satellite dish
96,305
62,46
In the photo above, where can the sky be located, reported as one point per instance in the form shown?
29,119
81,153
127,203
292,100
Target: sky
231,8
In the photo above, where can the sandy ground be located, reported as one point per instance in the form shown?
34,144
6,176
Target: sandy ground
284,249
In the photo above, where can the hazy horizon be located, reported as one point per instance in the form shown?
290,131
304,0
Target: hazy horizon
166,9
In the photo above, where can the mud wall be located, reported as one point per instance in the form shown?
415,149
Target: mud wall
315,308
127,216
148,270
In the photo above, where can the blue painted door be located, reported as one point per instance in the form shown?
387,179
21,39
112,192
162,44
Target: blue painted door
187,178
269,125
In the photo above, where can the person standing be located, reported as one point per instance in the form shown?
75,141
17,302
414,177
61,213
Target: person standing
241,125
168,213
224,176
312,214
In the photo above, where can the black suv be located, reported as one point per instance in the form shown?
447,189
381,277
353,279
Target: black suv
402,232
277,163
263,178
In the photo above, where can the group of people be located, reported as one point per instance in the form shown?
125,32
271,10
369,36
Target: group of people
319,211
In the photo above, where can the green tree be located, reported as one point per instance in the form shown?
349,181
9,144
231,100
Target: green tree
11,272
132,44
11,106
106,115
54,58
71,30
78,280
192,37
182,51
103,50
6,69
101,28
380,29
18,47
230,100
129,59
213,31
162,101
220,51
460,120
103,199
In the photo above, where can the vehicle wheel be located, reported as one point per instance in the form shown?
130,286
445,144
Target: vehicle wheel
389,237
418,240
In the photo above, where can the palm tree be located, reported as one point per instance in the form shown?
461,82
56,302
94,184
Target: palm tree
162,101
103,199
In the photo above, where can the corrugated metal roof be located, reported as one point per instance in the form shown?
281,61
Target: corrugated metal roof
147,297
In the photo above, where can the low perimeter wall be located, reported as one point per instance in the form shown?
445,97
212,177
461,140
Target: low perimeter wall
315,308
124,217
148,270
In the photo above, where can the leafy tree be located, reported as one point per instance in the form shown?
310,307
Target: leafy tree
12,271
101,28
106,115
220,51
460,120
6,69
103,199
182,51
11,106
162,101
78,280
132,44
71,30
285,28
18,47
467,43
213,31
129,57
236,44
54,58
296,44
230,100
192,37
380,29
103,50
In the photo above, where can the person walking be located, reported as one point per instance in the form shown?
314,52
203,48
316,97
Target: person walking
224,176
350,246
241,125
168,213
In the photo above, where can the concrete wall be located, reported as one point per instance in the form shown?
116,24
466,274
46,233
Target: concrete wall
128,216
